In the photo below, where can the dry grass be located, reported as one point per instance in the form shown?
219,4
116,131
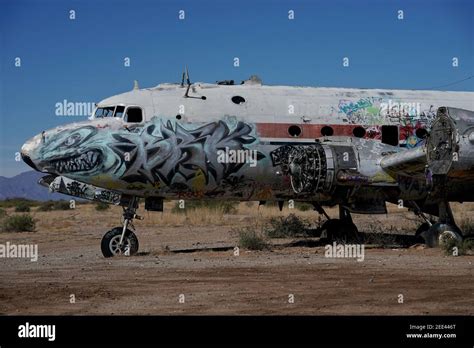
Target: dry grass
396,221
246,211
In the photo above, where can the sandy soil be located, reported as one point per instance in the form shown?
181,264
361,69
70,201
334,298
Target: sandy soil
217,282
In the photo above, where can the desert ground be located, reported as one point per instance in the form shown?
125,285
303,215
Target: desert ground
187,265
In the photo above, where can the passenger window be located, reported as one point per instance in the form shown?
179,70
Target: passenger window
134,115
119,111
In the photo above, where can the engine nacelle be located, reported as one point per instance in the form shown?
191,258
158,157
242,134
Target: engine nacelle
334,161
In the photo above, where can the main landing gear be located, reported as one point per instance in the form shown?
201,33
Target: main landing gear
121,240
339,230
441,232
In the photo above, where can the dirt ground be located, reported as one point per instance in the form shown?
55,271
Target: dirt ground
163,279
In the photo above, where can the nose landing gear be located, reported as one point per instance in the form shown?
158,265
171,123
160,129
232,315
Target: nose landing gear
121,240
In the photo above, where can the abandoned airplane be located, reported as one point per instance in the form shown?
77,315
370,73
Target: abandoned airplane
355,148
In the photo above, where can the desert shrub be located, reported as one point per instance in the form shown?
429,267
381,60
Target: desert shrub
465,247
468,246
22,207
46,206
13,202
284,227
251,238
51,205
449,244
3,213
62,205
102,206
19,223
229,207
303,206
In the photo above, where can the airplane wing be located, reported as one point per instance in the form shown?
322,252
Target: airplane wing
408,163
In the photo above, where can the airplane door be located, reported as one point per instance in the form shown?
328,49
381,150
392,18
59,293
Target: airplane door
390,135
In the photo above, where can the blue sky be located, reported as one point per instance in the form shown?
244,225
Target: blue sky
81,60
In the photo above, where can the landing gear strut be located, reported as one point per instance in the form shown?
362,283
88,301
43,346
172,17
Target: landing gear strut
121,240
342,229
424,227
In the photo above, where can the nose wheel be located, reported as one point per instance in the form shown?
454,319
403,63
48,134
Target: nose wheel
111,245
121,240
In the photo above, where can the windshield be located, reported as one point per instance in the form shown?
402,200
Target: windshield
117,111
104,112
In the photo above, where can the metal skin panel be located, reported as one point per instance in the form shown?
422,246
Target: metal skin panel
441,145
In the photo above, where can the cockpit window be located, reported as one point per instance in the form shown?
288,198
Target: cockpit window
134,114
119,111
107,111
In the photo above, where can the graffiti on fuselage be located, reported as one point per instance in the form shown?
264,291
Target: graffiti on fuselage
372,111
158,154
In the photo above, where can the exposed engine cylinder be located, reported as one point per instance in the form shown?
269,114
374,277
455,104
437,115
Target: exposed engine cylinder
310,167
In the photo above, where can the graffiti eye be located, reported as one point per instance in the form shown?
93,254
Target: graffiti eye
71,140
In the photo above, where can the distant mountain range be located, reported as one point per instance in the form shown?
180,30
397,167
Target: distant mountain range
25,185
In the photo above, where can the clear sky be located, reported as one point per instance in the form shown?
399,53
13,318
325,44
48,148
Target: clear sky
82,60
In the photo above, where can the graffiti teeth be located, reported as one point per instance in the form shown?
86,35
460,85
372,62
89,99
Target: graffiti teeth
84,162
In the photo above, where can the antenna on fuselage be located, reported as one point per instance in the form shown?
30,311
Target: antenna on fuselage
188,82
135,85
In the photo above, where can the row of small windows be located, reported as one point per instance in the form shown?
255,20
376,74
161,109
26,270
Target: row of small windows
389,133
327,131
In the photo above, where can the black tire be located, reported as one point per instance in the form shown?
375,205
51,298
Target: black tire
109,243
337,230
440,231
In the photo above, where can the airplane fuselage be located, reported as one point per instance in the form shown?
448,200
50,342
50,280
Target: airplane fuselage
233,141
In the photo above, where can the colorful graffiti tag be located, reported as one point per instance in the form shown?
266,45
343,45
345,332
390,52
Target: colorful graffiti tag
157,152
374,111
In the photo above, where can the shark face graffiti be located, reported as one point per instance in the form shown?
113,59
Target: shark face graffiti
81,163
78,152
156,152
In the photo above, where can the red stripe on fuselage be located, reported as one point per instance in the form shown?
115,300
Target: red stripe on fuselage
313,131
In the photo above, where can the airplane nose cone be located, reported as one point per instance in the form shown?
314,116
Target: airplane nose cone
28,149
28,161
